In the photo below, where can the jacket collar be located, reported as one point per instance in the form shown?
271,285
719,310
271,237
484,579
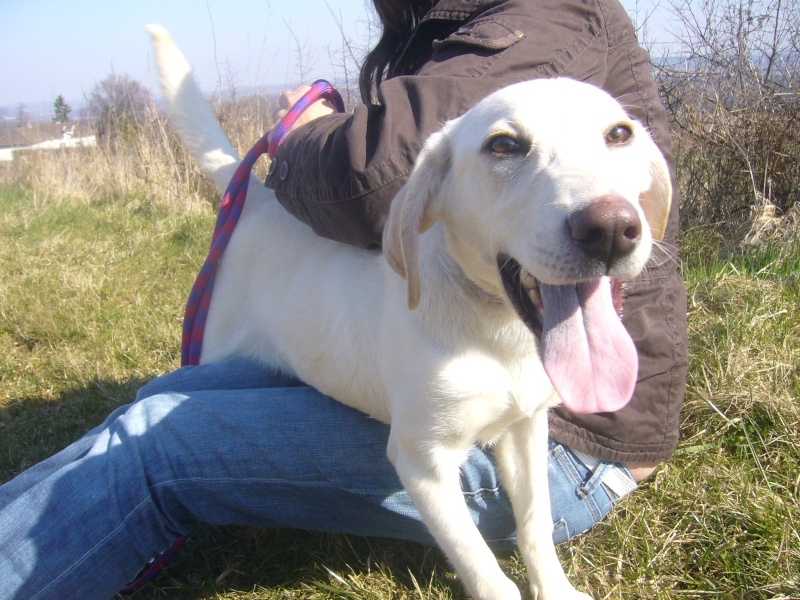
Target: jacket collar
457,10
454,11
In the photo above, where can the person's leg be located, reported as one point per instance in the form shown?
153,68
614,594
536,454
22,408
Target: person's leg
232,374
275,457
284,456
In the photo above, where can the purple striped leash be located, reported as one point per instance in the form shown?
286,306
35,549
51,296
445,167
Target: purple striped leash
230,210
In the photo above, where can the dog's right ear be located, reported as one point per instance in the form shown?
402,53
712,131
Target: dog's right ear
656,200
414,210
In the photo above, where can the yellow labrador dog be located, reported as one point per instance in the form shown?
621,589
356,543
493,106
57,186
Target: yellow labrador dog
493,300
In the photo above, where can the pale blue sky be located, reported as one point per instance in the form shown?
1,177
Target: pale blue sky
49,48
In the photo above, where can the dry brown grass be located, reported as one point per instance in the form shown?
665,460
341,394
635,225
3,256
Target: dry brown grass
146,162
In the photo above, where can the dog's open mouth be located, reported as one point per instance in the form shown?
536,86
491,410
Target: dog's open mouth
522,289
586,351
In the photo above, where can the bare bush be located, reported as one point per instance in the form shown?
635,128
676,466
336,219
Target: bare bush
732,93
117,104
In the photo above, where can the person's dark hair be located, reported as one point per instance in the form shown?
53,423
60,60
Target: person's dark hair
398,19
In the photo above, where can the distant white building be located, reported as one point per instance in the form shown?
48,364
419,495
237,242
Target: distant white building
45,136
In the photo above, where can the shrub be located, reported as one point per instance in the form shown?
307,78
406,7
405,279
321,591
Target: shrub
732,94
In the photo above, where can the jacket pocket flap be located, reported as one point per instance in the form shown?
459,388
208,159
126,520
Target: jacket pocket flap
491,35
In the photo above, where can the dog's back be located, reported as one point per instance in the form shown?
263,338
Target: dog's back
273,256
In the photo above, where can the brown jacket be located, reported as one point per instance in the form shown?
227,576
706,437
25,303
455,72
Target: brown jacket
339,173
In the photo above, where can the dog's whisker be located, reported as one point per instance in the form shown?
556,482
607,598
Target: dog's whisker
663,254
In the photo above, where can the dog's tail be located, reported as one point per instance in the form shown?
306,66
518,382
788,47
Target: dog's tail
189,113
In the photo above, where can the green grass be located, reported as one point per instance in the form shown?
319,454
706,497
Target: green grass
90,307
91,298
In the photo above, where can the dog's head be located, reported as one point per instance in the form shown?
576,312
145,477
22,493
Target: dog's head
547,191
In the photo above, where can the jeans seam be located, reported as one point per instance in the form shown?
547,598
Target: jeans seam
591,504
566,464
86,554
473,494
261,480
480,492
571,470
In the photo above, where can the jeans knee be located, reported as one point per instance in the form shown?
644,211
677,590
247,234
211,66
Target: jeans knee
146,457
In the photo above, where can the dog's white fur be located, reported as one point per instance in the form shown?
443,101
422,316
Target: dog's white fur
461,368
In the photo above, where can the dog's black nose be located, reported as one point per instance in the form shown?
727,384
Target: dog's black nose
606,230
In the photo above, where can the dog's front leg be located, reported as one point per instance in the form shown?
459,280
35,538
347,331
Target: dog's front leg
431,476
522,456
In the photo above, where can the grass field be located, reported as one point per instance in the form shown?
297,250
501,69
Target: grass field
91,299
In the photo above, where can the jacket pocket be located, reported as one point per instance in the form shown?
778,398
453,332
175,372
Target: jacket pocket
486,34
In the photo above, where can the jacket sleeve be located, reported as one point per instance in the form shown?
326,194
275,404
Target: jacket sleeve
339,173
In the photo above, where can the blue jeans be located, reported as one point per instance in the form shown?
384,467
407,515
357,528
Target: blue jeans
233,443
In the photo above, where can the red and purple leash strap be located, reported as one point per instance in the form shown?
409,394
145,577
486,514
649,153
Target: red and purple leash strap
230,210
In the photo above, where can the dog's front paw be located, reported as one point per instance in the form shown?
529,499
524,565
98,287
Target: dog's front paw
562,592
493,588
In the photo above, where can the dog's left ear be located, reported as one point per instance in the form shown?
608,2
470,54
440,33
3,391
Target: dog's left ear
413,211
656,200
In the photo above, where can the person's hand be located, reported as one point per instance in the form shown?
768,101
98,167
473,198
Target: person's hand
288,98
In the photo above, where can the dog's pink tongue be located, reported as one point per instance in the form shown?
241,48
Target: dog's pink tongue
588,355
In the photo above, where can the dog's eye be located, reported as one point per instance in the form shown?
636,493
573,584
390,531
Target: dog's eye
503,144
619,134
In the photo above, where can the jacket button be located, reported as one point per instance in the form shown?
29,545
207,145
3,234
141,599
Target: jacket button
284,171
272,166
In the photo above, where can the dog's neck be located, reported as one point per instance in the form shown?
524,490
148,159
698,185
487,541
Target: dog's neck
493,317
471,288
478,269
